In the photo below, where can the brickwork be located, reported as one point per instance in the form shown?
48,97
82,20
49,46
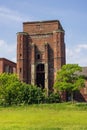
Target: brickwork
82,95
7,66
41,42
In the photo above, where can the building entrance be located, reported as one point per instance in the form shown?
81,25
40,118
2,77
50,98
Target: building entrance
40,76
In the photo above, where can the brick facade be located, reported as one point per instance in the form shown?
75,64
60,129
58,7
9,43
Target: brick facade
82,95
7,66
40,52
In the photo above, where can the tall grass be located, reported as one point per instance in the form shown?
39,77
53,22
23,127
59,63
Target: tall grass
44,117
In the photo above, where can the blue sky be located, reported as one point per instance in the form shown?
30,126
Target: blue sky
71,13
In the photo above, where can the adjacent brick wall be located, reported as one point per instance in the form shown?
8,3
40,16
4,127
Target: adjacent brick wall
7,66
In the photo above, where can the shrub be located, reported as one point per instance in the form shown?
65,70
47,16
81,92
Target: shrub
12,91
9,88
32,94
53,98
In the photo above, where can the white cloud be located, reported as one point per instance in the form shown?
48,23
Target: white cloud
77,54
8,50
6,13
81,47
2,43
69,52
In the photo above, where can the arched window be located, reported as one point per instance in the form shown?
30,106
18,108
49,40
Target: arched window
38,56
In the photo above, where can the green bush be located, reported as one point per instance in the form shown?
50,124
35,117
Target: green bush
14,92
53,98
31,94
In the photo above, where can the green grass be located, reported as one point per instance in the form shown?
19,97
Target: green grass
44,117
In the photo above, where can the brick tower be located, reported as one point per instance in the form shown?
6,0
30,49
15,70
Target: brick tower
40,52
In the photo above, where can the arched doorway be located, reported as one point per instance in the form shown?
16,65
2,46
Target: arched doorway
40,75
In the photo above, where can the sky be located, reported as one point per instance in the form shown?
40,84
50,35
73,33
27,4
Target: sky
71,13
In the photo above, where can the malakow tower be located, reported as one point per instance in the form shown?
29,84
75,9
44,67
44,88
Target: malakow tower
40,52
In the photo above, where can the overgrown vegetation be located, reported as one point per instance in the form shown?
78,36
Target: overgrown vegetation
68,79
12,91
15,92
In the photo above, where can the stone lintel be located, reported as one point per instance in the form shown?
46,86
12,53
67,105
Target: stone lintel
59,30
23,33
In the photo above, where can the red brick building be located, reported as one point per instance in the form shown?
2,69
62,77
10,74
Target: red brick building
82,95
40,52
7,66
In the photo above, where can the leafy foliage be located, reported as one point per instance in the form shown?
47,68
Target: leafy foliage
68,78
53,98
12,91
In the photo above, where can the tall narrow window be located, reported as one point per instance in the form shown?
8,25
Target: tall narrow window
40,76
38,57
20,70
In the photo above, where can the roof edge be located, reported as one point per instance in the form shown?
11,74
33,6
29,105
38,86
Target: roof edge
47,21
7,60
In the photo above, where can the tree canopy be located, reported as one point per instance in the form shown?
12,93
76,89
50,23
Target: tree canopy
68,79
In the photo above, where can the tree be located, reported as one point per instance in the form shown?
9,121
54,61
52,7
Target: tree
9,88
68,79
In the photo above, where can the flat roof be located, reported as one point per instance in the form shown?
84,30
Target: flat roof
43,21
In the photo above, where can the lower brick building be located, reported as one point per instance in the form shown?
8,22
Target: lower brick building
82,94
40,52
7,66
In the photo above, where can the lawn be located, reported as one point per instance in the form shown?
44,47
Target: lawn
63,116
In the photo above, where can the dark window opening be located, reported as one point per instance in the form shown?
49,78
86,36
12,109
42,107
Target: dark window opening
38,56
40,76
40,80
40,67
20,70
